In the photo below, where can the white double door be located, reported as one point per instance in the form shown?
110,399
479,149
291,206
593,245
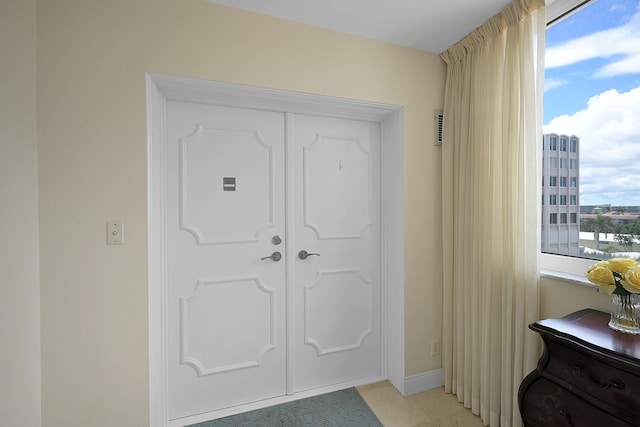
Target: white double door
250,317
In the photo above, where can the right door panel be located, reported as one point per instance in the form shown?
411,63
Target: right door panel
336,188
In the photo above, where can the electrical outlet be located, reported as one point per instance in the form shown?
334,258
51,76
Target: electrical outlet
435,347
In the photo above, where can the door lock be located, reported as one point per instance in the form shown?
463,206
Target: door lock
276,256
276,240
304,254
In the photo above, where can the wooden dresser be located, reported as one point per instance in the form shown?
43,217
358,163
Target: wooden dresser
588,375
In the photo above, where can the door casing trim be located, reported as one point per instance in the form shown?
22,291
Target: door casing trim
162,88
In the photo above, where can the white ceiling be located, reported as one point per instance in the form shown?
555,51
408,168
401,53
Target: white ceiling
429,25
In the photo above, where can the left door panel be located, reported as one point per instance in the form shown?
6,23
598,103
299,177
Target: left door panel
226,292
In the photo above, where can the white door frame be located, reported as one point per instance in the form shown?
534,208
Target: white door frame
162,88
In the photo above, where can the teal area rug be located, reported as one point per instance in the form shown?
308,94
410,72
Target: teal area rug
344,408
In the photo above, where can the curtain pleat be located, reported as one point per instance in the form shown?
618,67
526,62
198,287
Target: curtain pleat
491,218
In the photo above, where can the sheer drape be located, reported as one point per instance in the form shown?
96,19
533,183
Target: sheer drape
491,175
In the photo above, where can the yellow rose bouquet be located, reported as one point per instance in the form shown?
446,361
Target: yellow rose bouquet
620,278
616,276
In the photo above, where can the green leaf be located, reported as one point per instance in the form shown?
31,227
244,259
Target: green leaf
620,290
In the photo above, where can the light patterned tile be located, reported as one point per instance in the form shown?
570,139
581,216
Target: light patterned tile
432,408
463,418
390,407
436,403
374,386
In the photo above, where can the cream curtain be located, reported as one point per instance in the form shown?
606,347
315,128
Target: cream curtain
491,178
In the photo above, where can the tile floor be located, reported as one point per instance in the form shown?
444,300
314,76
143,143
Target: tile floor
432,408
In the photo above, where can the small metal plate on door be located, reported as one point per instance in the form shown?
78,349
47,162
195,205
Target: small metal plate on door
229,184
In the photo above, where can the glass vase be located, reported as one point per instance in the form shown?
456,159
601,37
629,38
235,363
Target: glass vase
625,313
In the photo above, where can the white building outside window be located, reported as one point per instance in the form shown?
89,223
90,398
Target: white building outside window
591,106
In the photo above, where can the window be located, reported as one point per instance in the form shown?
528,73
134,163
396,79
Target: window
553,200
592,87
553,163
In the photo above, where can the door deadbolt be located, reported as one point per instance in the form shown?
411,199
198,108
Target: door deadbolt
276,256
276,240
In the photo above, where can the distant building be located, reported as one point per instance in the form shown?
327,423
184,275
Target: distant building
617,217
561,194
595,209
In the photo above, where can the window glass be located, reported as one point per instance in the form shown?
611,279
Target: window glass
592,124
563,144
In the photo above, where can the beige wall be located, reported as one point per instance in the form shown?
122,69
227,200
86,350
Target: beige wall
93,56
92,147
19,285
559,298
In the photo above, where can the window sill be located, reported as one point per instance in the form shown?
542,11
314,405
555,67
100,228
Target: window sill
567,277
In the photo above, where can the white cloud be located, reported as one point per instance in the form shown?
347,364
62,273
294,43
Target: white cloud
628,65
619,44
554,82
609,132
616,7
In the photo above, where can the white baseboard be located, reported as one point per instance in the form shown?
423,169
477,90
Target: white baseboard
422,382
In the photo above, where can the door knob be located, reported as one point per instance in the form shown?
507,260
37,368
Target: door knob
276,256
304,254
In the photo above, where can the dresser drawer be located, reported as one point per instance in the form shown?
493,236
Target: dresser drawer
605,383
547,404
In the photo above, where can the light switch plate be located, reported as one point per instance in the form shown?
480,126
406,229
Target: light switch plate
115,230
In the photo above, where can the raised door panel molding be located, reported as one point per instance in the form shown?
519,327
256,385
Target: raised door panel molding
337,174
348,296
228,167
218,331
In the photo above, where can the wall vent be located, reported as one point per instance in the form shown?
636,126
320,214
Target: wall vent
437,127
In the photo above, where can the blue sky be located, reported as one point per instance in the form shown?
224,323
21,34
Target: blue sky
592,90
